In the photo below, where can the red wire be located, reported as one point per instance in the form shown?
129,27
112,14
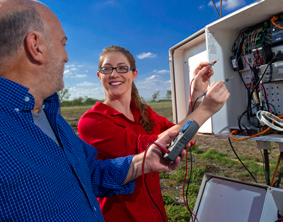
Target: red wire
161,147
185,202
167,151
191,101
266,98
275,172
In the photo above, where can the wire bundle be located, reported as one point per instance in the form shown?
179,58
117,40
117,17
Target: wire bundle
250,57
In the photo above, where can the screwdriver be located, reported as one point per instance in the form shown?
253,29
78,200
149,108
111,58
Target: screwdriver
203,94
225,81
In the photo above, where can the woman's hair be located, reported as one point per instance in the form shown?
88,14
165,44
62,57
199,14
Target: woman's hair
144,120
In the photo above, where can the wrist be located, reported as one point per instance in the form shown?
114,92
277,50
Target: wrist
135,169
201,114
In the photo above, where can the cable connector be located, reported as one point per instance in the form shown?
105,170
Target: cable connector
212,64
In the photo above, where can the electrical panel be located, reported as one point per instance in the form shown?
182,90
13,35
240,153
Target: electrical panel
258,59
248,46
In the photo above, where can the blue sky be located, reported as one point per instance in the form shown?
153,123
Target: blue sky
148,28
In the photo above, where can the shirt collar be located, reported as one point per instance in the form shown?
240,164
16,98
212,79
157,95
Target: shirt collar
16,95
104,109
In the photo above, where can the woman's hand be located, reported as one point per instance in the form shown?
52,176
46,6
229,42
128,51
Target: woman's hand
216,96
202,76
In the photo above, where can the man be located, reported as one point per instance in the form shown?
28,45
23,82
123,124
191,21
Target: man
47,173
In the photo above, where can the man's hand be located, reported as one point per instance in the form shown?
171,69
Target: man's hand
154,161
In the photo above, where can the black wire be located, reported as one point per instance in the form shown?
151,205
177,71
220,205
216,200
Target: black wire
241,161
278,181
266,99
188,183
250,96
196,102
148,189
241,124
258,82
256,85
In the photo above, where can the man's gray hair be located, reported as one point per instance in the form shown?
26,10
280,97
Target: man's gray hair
14,26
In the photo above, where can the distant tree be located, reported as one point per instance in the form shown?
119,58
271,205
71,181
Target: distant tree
154,96
64,94
78,101
143,100
168,94
90,101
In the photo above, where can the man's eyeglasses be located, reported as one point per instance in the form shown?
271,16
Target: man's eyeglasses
119,69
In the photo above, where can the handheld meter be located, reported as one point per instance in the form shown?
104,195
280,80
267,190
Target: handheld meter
181,140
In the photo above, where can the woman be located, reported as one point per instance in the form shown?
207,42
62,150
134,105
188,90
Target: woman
123,125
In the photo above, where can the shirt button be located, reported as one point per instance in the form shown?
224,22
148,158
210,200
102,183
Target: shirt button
154,207
27,99
17,109
94,208
153,191
153,175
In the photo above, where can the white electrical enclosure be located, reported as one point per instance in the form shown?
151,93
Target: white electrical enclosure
211,43
225,199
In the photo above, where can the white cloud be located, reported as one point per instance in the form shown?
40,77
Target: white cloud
80,76
68,66
162,71
75,71
152,77
229,4
86,84
145,55
201,7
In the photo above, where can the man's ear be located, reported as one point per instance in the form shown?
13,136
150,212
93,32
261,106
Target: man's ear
35,47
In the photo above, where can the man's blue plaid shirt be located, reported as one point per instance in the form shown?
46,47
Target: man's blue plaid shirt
41,181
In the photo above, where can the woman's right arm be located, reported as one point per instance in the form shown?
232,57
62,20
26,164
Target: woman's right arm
216,96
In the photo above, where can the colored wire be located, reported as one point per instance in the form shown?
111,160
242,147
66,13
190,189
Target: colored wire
191,101
271,120
257,134
241,160
273,19
185,197
275,172
266,99
145,179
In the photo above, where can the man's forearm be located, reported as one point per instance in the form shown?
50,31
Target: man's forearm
135,169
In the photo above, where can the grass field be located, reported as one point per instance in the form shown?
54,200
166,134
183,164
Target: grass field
211,155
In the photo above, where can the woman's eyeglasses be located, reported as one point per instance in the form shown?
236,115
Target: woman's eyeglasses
119,69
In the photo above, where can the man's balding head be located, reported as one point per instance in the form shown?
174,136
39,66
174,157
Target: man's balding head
32,47
17,19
